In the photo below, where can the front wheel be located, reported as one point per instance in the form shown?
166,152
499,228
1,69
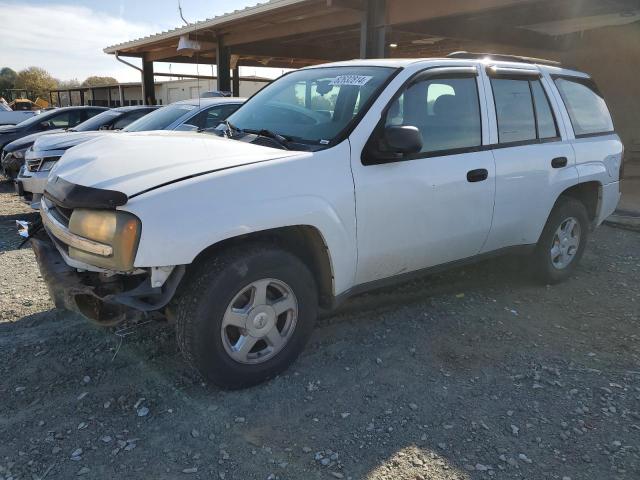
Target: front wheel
562,242
244,316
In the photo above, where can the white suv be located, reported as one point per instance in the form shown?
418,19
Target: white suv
333,180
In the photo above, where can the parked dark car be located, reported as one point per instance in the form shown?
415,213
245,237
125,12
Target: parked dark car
95,118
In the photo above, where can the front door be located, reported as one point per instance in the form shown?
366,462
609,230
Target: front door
435,206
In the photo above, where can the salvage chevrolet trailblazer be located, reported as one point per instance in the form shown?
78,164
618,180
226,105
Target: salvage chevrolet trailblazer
331,181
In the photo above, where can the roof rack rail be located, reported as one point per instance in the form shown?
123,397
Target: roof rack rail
503,58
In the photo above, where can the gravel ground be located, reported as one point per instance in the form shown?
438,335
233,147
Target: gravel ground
477,373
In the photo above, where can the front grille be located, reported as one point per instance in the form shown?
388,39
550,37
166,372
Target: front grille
61,214
34,165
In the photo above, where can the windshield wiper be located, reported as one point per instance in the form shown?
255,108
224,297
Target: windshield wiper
280,140
231,129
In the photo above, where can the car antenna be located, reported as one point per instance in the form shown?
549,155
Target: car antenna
195,34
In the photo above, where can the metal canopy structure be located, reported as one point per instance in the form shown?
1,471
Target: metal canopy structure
598,36
296,33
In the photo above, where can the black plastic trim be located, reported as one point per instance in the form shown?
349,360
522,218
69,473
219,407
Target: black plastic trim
596,134
69,195
512,73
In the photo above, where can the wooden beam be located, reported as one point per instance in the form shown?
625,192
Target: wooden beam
297,51
294,27
411,11
347,4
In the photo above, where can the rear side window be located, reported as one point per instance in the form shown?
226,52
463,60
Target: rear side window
523,111
587,109
128,118
445,110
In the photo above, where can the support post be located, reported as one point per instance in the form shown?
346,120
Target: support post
236,81
109,91
81,97
120,95
148,85
93,97
59,101
373,30
223,62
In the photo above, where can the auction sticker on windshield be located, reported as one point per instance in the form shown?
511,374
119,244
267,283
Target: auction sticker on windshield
350,80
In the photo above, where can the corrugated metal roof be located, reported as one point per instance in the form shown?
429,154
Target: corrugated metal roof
216,21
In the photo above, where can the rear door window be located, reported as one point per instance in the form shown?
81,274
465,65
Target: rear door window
514,110
523,111
586,107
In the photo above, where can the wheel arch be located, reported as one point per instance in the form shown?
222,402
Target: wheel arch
304,241
589,194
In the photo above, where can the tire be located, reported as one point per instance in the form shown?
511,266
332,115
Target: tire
214,294
555,266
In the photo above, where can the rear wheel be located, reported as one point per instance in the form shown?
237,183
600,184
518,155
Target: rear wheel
244,316
562,242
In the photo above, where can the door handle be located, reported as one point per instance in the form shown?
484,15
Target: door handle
559,162
477,175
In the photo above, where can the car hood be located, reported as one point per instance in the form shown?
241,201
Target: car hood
27,141
132,163
8,129
65,140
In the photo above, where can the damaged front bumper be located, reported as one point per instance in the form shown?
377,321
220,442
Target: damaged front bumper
106,299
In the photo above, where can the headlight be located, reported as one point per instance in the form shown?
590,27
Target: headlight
48,165
120,230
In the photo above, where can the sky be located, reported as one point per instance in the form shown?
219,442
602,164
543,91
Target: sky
66,37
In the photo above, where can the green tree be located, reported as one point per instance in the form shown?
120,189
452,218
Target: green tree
36,80
7,78
96,81
64,84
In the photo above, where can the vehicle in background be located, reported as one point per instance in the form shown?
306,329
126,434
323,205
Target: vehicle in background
10,117
60,118
331,181
27,182
24,104
185,115
215,94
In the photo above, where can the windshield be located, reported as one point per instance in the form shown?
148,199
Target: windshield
313,106
160,119
43,117
94,123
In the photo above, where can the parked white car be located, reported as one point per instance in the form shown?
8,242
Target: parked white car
331,181
187,115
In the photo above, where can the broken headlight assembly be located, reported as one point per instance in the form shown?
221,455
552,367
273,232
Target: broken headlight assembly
115,231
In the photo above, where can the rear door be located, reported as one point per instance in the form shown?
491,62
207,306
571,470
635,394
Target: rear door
533,155
435,206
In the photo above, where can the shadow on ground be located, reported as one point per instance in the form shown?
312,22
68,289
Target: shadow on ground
476,373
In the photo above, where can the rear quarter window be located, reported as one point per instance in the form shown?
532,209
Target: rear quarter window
587,109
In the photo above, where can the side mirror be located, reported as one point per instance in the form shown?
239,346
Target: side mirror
43,126
403,139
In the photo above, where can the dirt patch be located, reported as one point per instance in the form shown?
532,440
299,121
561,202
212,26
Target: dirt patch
476,373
